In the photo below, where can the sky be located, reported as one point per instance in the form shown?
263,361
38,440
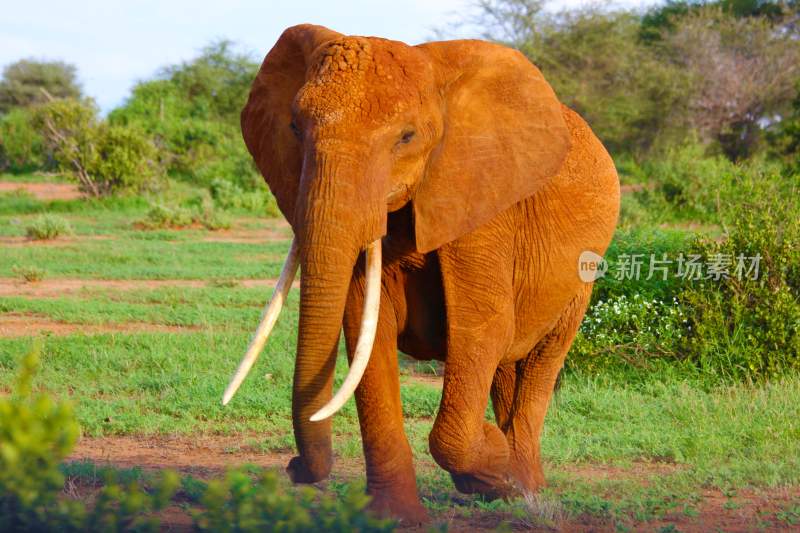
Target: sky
115,43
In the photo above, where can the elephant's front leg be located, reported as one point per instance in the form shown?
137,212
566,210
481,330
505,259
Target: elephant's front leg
477,285
391,481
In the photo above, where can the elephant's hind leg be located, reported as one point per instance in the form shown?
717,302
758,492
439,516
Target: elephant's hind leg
391,481
535,380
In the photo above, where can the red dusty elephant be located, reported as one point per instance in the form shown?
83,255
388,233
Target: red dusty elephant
472,192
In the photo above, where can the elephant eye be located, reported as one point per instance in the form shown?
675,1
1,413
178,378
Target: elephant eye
295,130
406,137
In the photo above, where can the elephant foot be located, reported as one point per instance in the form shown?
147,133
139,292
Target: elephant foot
302,471
489,487
402,506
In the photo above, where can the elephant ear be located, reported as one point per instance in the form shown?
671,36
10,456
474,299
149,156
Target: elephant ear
266,118
504,139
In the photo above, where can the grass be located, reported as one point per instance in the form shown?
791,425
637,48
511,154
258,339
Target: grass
663,439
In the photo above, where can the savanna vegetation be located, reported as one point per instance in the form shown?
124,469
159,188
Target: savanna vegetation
679,406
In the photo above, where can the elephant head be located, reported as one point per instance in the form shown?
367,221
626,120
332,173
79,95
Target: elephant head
348,129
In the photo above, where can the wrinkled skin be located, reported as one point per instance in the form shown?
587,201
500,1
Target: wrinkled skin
484,190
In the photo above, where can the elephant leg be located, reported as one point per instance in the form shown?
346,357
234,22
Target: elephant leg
391,481
535,380
478,292
503,389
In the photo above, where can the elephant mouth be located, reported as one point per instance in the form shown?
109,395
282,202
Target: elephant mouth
366,339
398,197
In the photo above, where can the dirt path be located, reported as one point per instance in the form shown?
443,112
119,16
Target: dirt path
54,288
43,191
60,241
210,455
24,325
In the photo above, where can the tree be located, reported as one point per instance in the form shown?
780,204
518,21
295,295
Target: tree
102,157
742,73
191,110
598,66
23,81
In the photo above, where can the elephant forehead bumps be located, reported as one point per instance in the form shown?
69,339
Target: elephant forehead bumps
359,79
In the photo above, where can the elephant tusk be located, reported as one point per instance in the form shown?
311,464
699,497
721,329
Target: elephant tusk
366,337
268,319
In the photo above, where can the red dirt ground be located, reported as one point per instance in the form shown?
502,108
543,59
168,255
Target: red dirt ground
59,287
44,191
24,325
205,456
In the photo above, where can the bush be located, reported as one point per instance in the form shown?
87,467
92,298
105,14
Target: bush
36,434
192,113
629,333
729,329
228,195
103,158
28,82
31,274
238,504
175,217
22,147
750,328
47,226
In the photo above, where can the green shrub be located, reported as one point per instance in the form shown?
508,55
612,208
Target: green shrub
192,113
31,274
36,434
750,328
228,195
22,147
238,504
162,216
47,226
628,332
103,158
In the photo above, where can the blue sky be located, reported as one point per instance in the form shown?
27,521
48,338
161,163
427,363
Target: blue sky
115,43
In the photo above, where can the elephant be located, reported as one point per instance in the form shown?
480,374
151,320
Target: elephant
440,197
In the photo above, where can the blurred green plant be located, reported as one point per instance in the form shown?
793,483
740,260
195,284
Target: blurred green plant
25,83
36,435
191,111
22,147
103,158
161,216
30,274
48,226
228,195
238,504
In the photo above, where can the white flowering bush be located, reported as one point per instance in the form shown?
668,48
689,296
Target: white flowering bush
630,332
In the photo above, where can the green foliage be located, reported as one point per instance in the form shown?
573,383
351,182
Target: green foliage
162,216
619,86
30,274
47,226
25,82
750,328
623,332
103,158
35,435
22,146
228,195
192,113
785,136
238,504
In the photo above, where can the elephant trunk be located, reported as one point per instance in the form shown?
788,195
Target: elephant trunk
333,231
